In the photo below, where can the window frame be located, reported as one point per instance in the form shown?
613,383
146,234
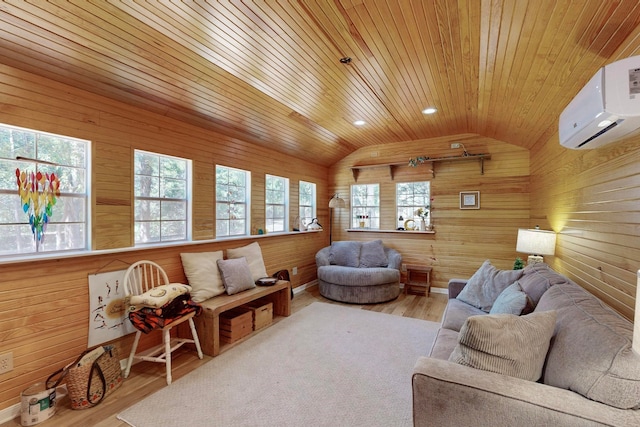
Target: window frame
302,207
246,204
270,208
365,215
418,200
163,181
38,160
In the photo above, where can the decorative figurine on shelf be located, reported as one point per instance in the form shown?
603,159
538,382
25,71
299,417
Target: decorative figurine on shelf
423,213
314,225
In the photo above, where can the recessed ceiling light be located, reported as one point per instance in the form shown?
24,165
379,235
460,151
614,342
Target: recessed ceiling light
429,110
359,123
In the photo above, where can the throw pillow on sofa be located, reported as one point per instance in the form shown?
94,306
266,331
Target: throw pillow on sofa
372,255
512,300
345,253
486,284
506,344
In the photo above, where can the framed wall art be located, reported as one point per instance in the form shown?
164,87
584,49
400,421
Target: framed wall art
469,200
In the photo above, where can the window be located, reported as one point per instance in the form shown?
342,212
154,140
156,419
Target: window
162,198
232,201
59,221
412,199
276,203
307,202
365,206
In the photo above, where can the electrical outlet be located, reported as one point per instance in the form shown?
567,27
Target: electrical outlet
294,270
6,362
455,145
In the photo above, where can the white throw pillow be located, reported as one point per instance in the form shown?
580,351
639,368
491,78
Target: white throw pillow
202,272
253,254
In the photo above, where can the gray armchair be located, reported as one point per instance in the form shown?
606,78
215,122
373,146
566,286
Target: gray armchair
359,272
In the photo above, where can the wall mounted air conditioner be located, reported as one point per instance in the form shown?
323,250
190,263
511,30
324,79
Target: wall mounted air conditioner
606,109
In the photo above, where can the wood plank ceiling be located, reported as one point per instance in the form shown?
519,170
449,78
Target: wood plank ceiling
268,72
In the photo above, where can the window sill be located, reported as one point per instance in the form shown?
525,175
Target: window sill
374,230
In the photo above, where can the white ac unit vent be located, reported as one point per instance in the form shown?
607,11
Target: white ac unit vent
606,109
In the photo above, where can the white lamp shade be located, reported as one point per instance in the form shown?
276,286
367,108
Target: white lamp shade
536,242
336,202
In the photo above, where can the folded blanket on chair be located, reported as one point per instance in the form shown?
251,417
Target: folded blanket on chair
147,319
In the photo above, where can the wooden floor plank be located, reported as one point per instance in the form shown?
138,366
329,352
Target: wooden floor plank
147,377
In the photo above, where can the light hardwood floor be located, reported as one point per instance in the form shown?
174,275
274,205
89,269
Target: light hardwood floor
147,377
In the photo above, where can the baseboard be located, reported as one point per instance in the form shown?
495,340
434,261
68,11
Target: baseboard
10,413
301,288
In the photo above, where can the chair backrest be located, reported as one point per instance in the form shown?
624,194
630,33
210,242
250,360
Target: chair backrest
142,276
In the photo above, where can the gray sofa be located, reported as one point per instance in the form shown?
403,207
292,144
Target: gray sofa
590,376
359,272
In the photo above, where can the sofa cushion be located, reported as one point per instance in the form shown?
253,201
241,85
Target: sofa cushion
591,352
372,254
486,284
445,342
510,301
345,253
506,344
350,276
537,278
456,313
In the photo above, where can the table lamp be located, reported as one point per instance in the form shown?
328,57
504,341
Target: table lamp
536,243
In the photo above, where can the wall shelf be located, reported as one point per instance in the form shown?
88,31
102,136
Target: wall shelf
355,170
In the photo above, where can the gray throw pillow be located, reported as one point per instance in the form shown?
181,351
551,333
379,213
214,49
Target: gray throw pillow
345,253
511,301
486,284
236,275
372,255
506,344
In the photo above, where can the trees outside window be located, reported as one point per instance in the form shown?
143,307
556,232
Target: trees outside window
276,203
233,192
307,202
162,198
365,206
43,157
413,202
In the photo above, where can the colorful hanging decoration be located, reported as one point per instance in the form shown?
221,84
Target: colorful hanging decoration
38,194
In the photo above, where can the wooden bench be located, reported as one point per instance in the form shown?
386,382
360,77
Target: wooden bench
208,323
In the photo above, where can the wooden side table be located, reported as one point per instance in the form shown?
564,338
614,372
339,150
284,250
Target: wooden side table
418,279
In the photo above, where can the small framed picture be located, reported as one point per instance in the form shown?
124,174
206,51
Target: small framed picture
469,200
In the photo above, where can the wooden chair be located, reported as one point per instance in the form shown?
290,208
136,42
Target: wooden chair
138,279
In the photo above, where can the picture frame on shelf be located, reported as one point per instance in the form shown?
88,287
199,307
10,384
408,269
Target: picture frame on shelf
469,200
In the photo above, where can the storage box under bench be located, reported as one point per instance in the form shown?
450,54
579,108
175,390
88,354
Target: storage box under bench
262,313
235,324
209,323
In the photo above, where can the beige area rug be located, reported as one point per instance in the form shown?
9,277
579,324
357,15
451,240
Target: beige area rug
326,365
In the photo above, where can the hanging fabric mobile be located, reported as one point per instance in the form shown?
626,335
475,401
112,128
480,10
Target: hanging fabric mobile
38,193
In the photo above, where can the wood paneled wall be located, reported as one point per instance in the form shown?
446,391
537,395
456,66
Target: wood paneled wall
591,198
44,304
463,239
